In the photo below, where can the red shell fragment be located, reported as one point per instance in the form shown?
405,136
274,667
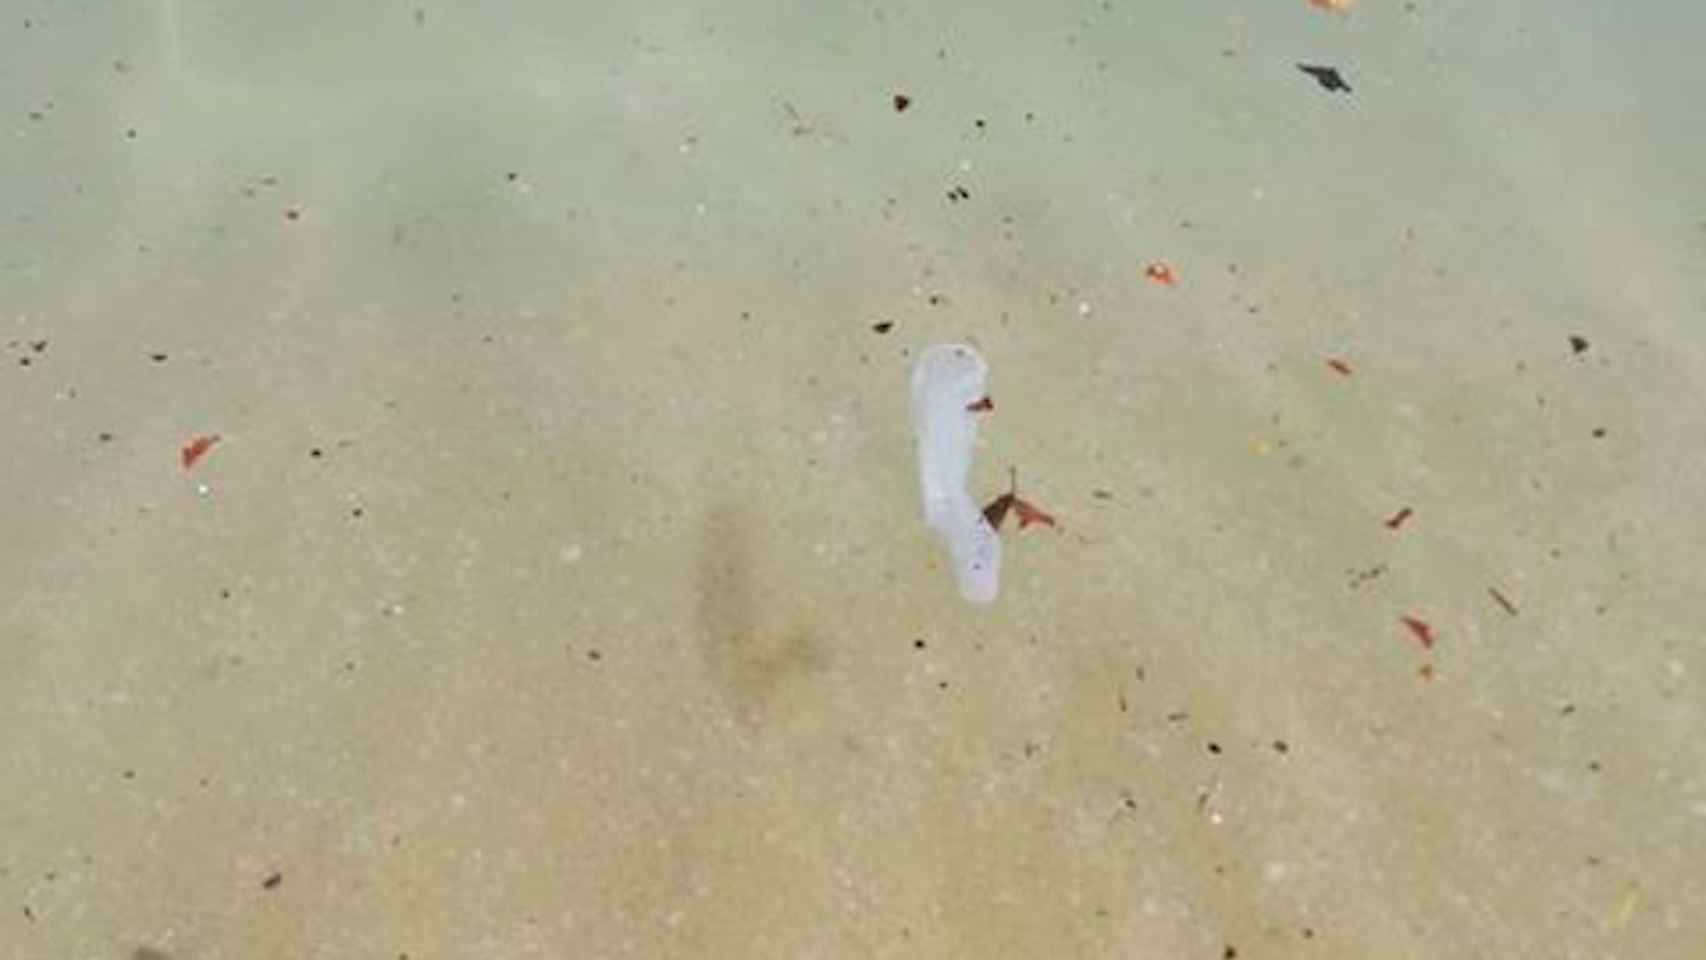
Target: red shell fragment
1420,628
196,448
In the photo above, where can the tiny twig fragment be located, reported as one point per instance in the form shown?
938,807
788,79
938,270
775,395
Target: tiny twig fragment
1503,601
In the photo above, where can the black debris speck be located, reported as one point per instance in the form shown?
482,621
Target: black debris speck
1327,77
883,326
157,357
1213,747
594,655
958,193
272,881
901,102
1280,746
1578,344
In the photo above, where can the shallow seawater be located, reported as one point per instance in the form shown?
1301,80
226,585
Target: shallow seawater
557,584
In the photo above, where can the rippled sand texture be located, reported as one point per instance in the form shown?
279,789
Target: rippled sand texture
557,586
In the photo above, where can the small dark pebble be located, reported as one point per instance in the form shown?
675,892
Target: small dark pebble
1213,747
883,326
918,644
1578,344
272,881
901,102
157,357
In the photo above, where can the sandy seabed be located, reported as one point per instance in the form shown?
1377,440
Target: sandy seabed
557,584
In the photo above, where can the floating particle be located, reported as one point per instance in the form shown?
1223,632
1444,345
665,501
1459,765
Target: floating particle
995,512
1159,272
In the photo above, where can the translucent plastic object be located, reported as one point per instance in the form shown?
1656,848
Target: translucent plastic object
948,393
